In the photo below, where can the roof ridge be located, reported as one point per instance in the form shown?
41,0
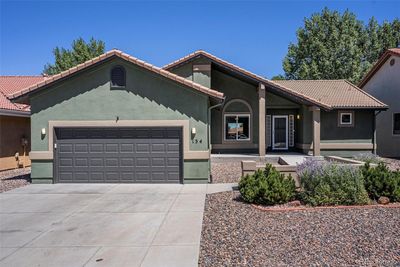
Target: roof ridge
127,57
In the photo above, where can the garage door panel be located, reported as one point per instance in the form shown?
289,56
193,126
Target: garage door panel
158,148
127,148
142,176
142,148
81,148
112,148
127,162
96,162
66,148
143,155
111,162
143,162
112,176
99,148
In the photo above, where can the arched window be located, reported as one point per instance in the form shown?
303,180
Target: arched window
118,78
237,120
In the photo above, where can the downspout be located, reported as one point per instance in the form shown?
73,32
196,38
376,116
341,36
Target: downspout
374,129
209,134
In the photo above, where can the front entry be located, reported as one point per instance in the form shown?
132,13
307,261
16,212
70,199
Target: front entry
279,132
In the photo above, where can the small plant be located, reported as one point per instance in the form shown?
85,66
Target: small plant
267,187
331,184
381,182
368,158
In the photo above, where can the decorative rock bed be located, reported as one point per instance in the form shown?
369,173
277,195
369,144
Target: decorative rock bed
11,179
236,234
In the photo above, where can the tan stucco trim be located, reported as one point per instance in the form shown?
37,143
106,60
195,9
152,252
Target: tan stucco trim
197,154
261,119
337,146
187,153
41,155
316,117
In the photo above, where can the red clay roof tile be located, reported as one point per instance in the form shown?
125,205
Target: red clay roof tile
13,84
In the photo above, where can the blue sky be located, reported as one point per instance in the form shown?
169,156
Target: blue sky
252,34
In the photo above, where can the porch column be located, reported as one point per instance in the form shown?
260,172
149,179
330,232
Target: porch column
261,120
316,116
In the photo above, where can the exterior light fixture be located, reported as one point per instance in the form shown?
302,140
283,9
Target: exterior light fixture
43,131
298,116
193,131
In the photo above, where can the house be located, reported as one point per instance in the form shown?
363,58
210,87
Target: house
14,123
116,118
383,82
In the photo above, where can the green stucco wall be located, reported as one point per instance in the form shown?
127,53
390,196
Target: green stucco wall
233,88
362,132
147,96
200,77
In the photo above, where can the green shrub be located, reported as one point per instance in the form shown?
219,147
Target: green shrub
331,184
368,157
267,187
381,182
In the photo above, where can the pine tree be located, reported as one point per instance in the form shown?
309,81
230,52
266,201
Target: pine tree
80,52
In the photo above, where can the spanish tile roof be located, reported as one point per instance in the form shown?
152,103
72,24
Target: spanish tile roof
334,93
388,53
13,84
126,57
327,97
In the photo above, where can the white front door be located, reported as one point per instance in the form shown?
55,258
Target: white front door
279,132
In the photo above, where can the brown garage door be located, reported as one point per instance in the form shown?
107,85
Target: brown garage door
118,155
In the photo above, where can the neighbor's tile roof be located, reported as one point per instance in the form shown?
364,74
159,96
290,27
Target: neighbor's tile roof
124,56
12,84
334,93
327,94
388,53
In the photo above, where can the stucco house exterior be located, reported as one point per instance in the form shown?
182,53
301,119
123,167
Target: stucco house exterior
383,82
118,119
14,123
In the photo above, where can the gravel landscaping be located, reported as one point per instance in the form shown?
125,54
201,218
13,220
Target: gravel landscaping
11,179
393,164
236,234
229,170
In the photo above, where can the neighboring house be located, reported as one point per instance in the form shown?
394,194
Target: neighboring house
118,119
14,123
383,82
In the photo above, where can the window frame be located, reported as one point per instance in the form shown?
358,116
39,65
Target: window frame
393,115
237,115
111,77
345,124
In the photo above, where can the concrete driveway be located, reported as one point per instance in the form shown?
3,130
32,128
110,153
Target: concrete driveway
103,224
